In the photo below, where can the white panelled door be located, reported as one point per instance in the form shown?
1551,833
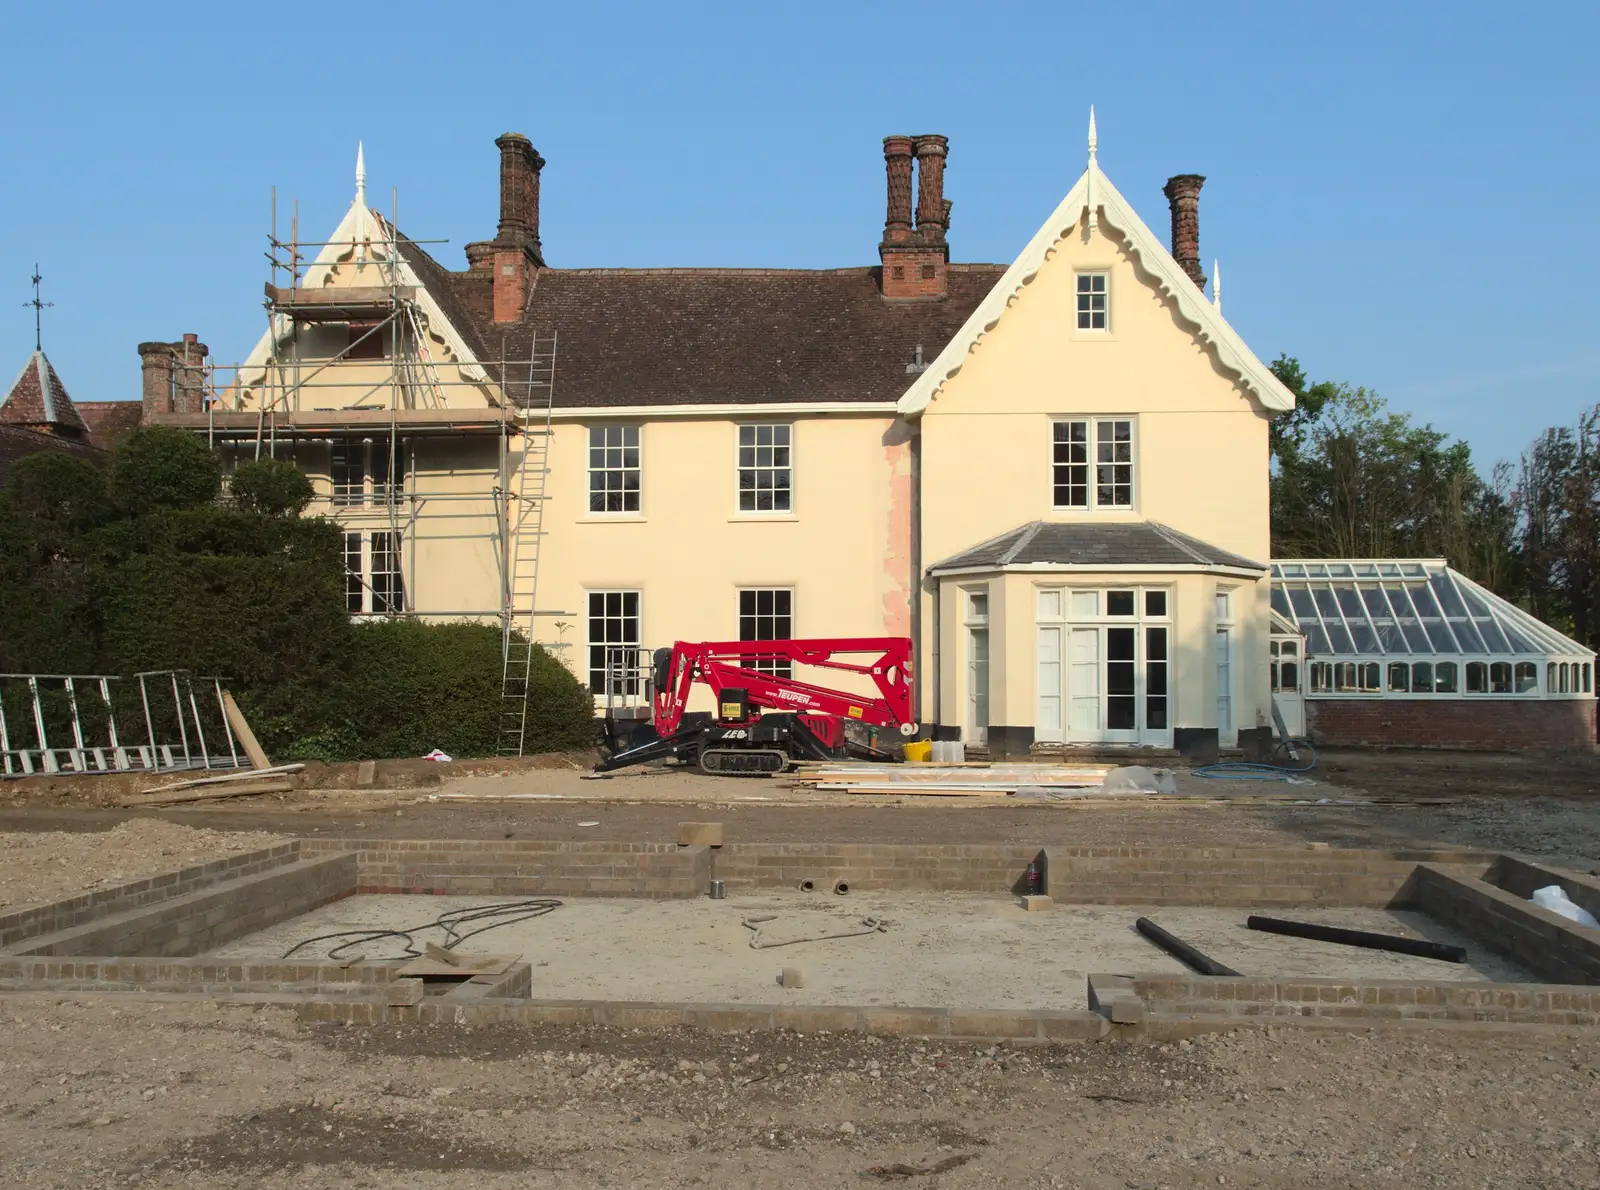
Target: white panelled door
1084,683
1226,735
1050,727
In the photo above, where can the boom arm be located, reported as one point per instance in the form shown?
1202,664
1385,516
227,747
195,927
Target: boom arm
724,664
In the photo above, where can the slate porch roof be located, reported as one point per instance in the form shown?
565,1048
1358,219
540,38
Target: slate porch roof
1116,543
39,400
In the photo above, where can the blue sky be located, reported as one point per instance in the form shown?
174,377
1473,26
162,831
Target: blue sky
1402,195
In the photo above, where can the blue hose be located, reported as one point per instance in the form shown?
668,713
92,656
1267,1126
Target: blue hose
1245,770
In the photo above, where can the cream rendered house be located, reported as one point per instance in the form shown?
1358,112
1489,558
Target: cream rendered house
1066,508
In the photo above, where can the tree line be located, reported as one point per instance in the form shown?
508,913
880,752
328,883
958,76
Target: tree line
1352,478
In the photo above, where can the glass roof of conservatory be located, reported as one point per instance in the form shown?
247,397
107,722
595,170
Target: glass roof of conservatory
1410,608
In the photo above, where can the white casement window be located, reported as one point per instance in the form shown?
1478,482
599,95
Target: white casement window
1102,481
767,613
348,470
374,581
615,657
352,462
614,469
766,475
1092,301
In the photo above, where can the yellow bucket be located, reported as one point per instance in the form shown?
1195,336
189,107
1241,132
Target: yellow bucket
918,750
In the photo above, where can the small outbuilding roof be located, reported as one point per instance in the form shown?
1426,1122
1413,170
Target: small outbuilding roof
1088,545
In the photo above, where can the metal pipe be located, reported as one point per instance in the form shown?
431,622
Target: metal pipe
1181,950
222,706
177,705
45,755
1364,938
200,734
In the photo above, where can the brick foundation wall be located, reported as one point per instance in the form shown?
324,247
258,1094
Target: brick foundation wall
1543,942
1243,877
1492,724
1379,999
211,917
473,867
32,922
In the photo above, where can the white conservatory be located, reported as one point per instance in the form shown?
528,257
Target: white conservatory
1416,631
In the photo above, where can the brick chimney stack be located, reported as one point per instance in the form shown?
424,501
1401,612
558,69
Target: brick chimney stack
516,250
173,376
1183,196
915,260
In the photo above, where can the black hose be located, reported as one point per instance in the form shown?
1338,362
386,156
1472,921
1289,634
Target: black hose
1317,933
1181,950
505,914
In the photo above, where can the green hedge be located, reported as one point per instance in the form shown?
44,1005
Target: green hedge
150,569
413,687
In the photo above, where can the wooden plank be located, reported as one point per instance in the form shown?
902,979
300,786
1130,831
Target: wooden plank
246,737
282,770
440,955
209,793
466,966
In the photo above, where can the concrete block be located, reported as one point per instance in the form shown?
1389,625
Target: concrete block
402,993
792,977
1036,904
699,834
1125,1010
366,774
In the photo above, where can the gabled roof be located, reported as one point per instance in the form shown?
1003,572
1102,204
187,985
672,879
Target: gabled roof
1095,198
1089,544
736,336
38,399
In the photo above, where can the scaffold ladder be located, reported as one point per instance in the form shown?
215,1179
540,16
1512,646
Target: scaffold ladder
524,523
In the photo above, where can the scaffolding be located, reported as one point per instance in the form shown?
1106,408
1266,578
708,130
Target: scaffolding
392,390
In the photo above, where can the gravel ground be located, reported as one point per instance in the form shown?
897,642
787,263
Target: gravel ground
174,1095
44,866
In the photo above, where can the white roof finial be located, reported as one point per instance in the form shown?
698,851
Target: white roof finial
1094,141
1216,284
361,176
1089,172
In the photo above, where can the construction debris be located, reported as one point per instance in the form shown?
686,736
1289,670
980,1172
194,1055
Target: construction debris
759,923
953,780
209,793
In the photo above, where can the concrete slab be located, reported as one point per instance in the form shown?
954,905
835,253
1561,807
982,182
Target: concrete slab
939,949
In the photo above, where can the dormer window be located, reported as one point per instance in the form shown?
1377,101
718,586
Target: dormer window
1092,301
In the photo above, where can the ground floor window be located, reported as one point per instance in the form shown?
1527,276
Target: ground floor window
615,662
767,614
374,581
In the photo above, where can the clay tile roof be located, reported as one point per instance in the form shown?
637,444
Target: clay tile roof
109,422
1145,543
18,442
718,336
38,399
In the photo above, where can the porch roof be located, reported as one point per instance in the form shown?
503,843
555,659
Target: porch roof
1089,545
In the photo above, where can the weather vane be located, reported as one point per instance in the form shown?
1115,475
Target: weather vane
38,308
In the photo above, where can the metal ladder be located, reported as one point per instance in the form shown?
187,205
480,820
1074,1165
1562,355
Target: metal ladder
524,520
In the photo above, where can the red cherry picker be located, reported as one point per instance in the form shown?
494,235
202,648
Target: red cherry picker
764,719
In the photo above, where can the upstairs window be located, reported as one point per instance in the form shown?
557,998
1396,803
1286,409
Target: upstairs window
349,472
766,478
614,471
1092,301
1112,472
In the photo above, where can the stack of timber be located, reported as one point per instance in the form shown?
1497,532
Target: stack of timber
204,789
972,779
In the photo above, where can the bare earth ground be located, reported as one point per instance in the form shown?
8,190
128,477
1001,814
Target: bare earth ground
161,1095
120,1092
